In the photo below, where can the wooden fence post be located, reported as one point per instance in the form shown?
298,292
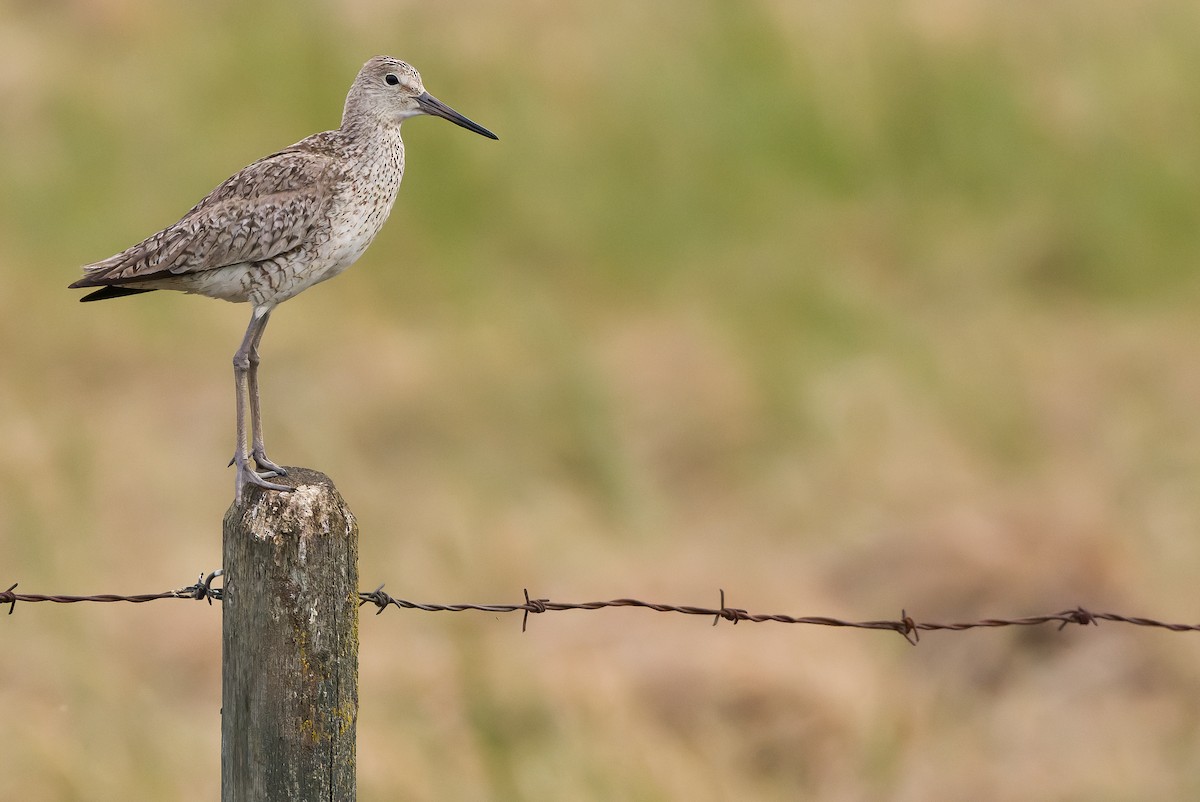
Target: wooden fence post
289,702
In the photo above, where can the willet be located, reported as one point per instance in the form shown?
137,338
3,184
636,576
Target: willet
281,225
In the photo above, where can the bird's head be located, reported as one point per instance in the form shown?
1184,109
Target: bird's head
389,91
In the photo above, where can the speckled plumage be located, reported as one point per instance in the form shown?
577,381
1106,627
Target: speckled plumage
284,223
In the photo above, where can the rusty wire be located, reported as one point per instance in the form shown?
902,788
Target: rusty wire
909,628
200,591
905,625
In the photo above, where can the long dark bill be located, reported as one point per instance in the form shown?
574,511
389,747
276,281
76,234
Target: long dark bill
431,105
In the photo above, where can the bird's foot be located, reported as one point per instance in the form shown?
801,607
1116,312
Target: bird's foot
245,476
266,468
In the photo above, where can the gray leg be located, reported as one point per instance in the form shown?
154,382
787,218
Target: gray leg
241,374
266,466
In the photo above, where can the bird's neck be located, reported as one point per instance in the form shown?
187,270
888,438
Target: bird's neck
369,136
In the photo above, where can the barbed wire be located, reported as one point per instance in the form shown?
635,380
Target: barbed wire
906,626
201,591
909,628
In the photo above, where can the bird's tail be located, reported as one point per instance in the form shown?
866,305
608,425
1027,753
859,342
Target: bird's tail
104,293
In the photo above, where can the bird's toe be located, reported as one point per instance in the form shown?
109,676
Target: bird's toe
245,476
266,467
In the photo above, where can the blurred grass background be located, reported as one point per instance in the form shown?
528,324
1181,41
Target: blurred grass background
841,307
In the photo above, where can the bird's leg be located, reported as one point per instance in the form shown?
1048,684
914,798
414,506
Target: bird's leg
265,465
241,373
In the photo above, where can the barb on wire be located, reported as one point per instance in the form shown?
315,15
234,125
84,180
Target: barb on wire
906,626
202,590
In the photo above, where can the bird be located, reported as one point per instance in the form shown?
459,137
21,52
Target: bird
280,225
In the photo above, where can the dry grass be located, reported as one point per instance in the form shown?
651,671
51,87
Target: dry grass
841,307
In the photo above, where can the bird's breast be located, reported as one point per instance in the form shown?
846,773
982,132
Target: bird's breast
359,209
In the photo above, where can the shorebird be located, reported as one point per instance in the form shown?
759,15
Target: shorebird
281,225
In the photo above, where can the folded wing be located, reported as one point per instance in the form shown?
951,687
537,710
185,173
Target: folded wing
267,209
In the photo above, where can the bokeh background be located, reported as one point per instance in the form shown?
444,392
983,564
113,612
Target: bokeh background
842,307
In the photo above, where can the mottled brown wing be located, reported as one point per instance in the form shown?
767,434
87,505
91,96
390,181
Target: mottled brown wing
268,208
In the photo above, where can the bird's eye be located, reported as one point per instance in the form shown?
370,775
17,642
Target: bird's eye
391,79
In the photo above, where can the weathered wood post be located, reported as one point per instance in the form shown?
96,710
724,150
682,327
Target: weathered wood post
289,701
